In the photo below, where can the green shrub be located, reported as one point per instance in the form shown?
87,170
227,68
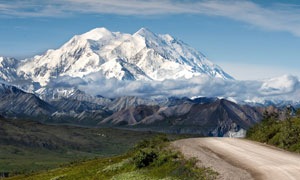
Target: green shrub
143,144
144,157
165,156
295,147
281,133
155,142
276,140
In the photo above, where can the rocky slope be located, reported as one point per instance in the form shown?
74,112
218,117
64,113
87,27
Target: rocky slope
17,103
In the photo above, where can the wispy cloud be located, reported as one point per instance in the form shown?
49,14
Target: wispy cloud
279,17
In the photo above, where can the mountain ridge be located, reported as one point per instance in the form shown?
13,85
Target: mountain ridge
217,118
207,116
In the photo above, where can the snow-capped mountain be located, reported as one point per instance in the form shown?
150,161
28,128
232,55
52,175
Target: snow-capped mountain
142,55
8,71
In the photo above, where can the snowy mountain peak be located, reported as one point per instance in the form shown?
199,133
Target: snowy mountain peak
8,69
8,62
96,34
143,29
144,32
143,55
149,38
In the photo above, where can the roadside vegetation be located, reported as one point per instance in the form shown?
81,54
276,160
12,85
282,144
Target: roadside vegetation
150,159
284,134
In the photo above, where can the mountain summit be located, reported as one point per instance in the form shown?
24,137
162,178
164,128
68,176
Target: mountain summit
143,55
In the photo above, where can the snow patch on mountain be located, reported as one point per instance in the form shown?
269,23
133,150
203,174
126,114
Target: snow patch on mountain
55,93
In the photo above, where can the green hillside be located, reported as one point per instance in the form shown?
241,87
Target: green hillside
27,146
149,160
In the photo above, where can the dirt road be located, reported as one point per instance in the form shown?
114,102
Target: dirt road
239,159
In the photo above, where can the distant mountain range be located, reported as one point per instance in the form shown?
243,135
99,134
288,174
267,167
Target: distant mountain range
42,87
206,116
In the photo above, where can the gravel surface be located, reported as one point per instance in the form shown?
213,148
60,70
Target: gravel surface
240,159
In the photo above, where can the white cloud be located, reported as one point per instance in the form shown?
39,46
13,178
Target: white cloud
279,17
280,85
281,88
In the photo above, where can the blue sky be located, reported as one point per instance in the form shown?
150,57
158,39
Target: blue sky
248,39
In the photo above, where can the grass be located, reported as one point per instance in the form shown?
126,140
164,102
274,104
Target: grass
18,160
165,165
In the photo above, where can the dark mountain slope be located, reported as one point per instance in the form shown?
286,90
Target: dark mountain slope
131,116
17,103
78,106
216,118
177,115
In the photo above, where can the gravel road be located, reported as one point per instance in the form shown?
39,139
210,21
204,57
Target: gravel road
240,159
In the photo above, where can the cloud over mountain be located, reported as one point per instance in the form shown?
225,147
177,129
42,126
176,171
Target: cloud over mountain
283,88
